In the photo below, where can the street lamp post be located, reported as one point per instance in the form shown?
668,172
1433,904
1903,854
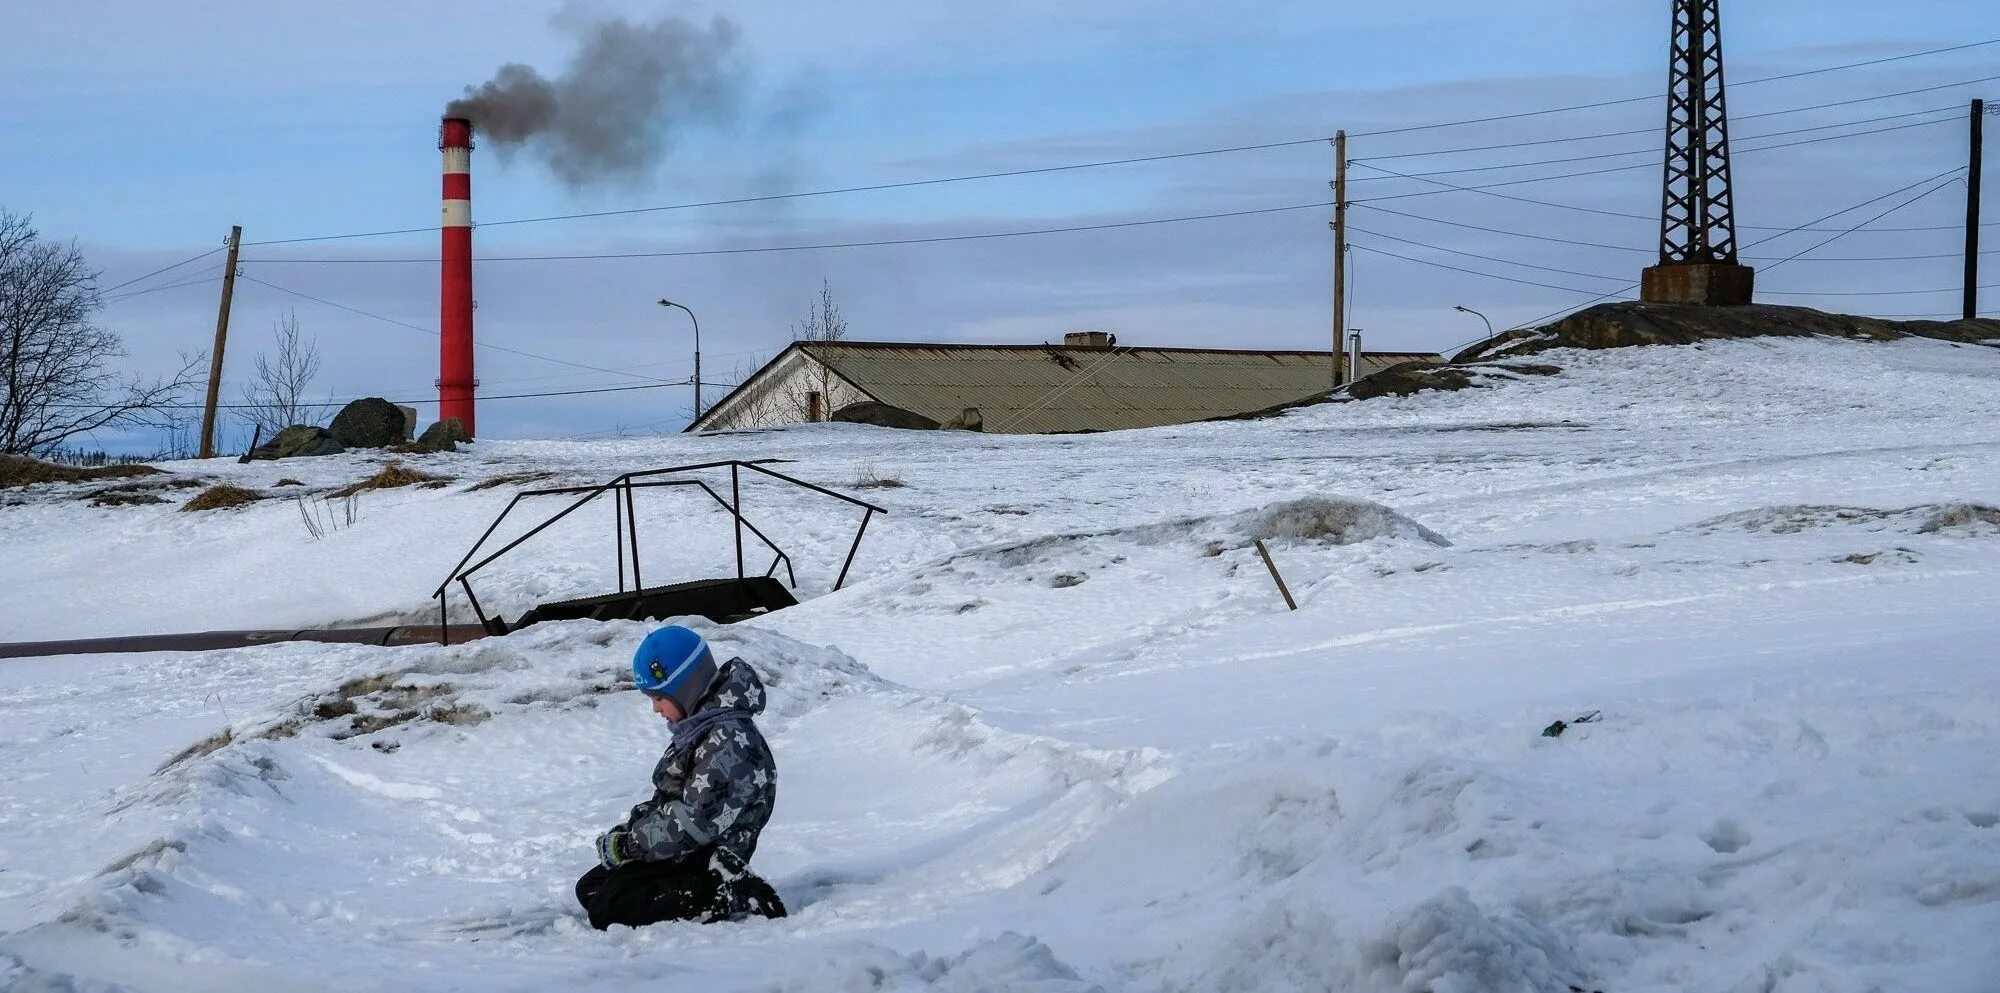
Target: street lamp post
697,353
1482,317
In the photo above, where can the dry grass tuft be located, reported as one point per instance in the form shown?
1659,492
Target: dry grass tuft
200,748
393,475
221,497
510,479
20,470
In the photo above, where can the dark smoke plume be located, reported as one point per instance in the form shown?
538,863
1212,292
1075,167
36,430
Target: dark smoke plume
620,104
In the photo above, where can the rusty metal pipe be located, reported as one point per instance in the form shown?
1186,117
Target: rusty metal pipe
208,641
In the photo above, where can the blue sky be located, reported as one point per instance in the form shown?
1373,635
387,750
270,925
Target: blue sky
145,130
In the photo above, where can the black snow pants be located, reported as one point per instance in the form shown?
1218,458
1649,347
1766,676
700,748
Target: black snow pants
640,893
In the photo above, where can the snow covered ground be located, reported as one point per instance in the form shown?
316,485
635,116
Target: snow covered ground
1059,733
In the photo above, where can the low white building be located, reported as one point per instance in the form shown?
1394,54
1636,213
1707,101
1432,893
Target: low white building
1088,383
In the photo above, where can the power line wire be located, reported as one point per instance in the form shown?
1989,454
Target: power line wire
1942,185
878,243
1956,113
649,365
429,331
1655,129
1471,272
1656,96
1650,218
1475,255
1629,132
873,187
1132,160
1646,251
129,294
1875,258
1871,201
1651,165
1868,293
165,268
412,402
1627,288
1516,234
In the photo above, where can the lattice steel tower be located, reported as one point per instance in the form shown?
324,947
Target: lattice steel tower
1697,214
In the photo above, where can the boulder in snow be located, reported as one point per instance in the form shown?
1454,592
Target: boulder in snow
370,422
443,436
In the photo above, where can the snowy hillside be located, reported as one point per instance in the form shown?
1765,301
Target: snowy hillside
1059,732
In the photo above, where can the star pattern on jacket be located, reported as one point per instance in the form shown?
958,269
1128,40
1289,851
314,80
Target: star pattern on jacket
721,793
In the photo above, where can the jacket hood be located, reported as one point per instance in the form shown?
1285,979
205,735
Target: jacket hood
736,687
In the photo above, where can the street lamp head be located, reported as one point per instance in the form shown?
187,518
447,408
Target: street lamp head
1456,306
664,302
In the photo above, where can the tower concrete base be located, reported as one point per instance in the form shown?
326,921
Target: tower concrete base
1713,284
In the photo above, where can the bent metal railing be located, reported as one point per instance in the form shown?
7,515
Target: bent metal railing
625,526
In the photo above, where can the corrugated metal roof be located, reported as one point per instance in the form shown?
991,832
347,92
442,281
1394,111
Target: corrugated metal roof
1039,389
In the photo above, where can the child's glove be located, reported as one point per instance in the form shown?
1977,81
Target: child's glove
616,847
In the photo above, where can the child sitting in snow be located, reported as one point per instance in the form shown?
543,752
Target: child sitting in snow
684,854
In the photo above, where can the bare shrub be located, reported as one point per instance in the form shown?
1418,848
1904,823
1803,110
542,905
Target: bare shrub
873,480
329,514
808,396
275,396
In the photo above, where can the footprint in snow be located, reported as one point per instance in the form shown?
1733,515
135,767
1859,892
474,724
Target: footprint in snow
1726,837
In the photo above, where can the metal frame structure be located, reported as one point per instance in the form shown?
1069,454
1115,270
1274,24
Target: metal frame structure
1697,213
626,528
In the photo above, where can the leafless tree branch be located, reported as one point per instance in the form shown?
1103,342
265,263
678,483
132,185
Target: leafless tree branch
54,381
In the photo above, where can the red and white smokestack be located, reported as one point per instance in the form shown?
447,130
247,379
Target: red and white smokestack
455,379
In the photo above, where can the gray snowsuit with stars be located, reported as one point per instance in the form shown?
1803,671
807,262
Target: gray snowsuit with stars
717,792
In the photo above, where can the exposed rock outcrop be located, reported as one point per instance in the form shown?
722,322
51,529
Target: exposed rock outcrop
883,415
298,441
1628,324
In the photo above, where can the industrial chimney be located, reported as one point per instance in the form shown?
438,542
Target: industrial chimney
455,379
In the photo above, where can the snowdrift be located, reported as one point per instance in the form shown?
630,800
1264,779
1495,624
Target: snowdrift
1060,733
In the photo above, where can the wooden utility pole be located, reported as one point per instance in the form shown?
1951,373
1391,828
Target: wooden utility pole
1972,212
221,336
1339,253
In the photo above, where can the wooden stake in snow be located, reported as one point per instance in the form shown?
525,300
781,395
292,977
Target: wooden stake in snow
1280,580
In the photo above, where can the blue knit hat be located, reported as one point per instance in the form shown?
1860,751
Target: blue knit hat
675,663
